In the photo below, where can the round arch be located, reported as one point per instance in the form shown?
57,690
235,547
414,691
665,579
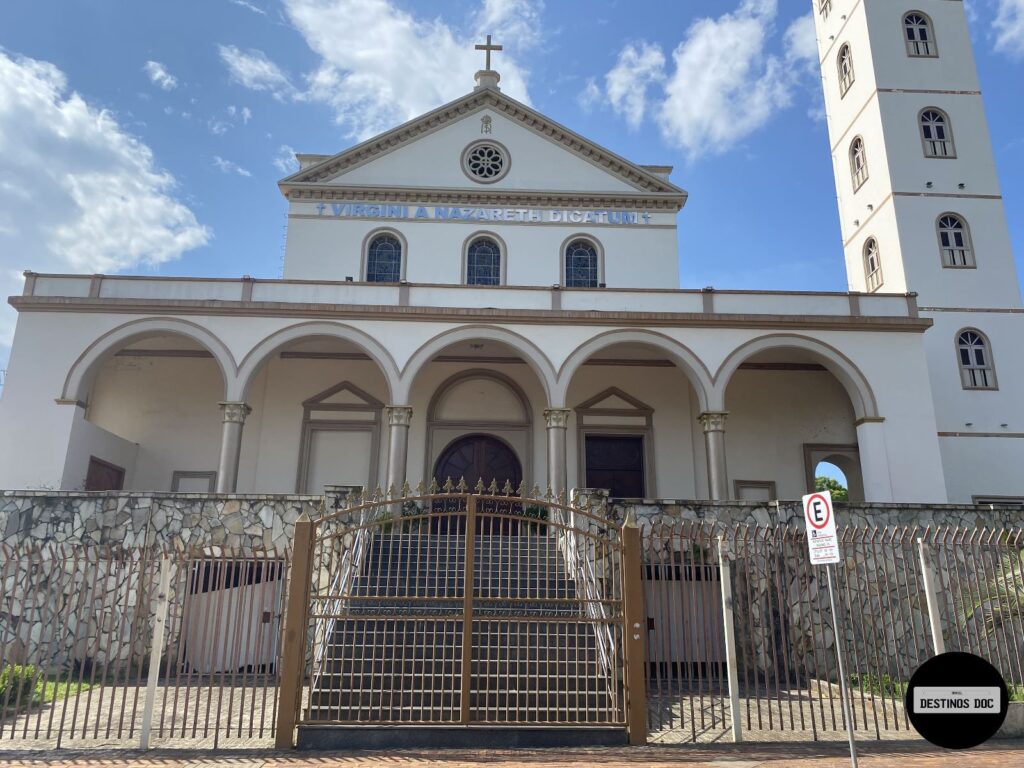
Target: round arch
536,359
691,366
83,370
839,365
254,360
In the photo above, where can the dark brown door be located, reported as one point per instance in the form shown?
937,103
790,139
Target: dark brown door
103,476
616,462
479,457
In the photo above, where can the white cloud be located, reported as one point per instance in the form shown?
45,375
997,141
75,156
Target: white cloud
249,6
159,75
285,160
381,65
255,71
226,166
1009,28
79,194
637,68
589,96
801,42
725,86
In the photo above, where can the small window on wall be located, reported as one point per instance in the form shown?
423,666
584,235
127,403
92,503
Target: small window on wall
824,8
872,265
920,37
936,134
581,267
384,259
483,262
616,462
846,76
858,163
955,241
974,355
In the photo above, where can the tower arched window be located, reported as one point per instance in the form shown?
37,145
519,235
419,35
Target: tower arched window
845,64
483,262
581,264
824,8
858,163
919,35
872,265
955,241
384,259
974,355
936,133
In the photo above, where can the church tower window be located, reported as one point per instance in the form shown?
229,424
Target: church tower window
975,359
936,133
919,35
872,265
845,63
384,259
955,241
858,163
581,264
824,8
483,262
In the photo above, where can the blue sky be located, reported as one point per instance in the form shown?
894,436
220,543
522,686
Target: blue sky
147,137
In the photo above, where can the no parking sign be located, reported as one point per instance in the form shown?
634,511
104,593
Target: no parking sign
821,528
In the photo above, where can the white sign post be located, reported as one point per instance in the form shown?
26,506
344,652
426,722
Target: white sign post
824,547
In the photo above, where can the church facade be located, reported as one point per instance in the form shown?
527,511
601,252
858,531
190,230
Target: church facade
482,293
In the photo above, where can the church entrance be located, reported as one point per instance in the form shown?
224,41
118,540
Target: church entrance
475,459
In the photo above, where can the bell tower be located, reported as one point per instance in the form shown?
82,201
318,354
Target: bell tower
921,212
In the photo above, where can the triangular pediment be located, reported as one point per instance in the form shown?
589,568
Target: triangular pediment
614,400
426,153
346,395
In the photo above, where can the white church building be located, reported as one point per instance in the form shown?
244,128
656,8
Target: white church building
483,293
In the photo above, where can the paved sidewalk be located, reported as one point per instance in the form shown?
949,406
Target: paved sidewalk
878,755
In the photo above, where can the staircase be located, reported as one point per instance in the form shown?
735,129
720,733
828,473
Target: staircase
396,656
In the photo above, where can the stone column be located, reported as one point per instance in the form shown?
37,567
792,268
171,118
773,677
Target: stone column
399,418
714,444
557,419
874,460
233,415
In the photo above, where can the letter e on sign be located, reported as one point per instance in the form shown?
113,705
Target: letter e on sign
821,528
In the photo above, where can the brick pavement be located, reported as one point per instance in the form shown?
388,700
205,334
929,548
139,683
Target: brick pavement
877,755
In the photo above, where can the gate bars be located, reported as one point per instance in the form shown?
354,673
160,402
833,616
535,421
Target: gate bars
741,639
482,607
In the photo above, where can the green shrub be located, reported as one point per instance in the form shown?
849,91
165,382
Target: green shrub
17,683
1016,692
878,685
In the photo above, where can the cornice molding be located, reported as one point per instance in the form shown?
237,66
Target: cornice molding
482,98
177,307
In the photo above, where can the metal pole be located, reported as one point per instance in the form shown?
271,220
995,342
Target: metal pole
932,597
634,619
732,670
842,667
156,650
465,714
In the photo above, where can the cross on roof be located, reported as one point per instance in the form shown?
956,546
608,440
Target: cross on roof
488,47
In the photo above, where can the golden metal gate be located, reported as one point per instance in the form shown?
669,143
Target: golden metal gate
450,606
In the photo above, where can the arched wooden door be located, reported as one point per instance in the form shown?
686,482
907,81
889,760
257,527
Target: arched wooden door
478,458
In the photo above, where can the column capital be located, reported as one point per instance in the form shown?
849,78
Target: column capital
556,418
713,421
399,415
234,412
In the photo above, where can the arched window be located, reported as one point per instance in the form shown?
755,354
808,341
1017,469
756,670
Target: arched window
858,163
581,267
384,259
845,63
974,355
955,241
936,133
483,262
872,265
824,8
917,28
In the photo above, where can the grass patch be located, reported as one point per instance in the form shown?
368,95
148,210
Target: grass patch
1016,692
878,685
21,691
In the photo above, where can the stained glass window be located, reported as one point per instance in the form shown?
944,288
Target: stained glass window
384,260
483,262
580,265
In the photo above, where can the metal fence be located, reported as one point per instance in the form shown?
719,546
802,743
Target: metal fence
741,640
104,646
